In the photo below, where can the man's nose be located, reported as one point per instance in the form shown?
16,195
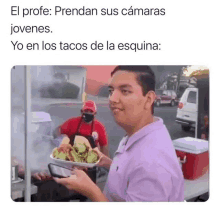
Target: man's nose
114,97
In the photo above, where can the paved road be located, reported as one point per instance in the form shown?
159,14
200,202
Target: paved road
168,114
60,113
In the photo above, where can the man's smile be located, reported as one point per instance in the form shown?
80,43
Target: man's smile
115,110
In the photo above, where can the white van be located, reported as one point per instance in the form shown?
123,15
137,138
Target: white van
187,111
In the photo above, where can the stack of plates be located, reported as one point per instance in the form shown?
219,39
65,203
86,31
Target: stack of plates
16,181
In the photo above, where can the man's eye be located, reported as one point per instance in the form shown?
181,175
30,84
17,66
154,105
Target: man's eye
110,91
126,92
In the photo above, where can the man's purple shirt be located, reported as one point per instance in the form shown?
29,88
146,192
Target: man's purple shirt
145,167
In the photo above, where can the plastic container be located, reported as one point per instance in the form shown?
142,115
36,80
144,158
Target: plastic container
194,156
14,169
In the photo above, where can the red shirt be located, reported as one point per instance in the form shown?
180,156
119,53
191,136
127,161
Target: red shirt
70,128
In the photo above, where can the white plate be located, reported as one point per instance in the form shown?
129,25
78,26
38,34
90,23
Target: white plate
70,164
17,181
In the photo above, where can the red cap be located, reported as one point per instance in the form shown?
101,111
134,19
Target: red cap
89,105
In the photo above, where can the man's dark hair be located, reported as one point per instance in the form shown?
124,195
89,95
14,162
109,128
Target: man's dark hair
144,75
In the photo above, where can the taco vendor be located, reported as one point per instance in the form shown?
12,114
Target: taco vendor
85,125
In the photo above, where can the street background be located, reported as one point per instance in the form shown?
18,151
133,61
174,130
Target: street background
60,91
51,90
59,114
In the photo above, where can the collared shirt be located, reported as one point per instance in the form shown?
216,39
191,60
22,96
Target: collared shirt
146,168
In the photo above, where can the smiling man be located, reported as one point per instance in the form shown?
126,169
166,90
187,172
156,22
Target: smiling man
145,165
128,101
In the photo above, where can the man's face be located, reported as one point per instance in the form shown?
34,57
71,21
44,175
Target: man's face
126,98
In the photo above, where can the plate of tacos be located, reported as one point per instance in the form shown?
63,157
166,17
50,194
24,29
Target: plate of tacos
80,154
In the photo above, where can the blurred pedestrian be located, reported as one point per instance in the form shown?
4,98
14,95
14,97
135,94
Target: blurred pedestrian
205,128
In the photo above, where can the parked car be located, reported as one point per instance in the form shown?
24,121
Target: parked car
187,110
165,96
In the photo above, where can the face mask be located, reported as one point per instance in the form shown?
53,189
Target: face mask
87,117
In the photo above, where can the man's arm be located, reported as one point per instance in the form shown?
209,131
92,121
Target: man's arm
97,196
104,160
104,150
80,182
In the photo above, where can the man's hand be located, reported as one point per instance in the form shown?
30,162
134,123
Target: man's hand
43,176
104,150
104,160
79,181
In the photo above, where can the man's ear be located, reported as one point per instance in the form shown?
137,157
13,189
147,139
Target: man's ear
150,98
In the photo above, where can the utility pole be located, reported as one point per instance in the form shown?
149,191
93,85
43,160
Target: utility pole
27,79
179,77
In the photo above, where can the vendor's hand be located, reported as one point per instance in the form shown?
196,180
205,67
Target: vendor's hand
43,176
64,148
80,182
